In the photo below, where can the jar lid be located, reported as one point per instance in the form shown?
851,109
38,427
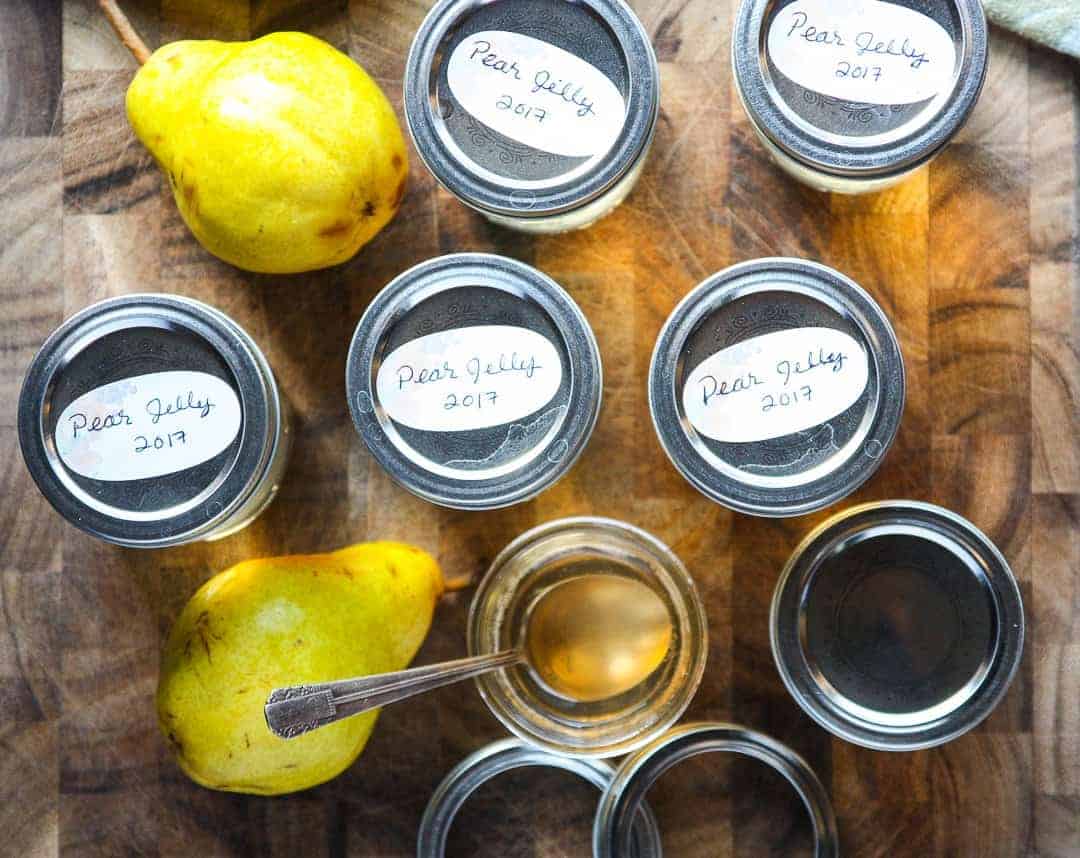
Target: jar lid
777,386
621,804
489,762
529,108
860,87
897,625
474,380
148,420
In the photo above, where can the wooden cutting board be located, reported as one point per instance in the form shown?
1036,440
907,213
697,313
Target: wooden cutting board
975,260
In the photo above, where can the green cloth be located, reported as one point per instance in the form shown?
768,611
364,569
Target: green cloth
1053,22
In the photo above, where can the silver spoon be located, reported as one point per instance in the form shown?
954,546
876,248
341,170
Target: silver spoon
586,638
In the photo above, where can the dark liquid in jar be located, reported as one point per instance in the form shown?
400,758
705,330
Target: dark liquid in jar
897,623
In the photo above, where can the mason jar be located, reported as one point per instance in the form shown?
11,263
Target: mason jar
897,625
547,556
505,755
536,113
153,420
853,96
474,381
777,386
616,828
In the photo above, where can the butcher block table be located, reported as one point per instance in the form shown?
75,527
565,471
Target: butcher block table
974,260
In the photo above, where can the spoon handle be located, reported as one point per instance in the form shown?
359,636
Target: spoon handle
297,709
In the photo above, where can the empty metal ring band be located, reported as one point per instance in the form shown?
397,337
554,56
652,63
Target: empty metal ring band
498,757
621,801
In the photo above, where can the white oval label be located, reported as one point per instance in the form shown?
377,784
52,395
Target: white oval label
862,50
148,425
775,384
469,378
536,93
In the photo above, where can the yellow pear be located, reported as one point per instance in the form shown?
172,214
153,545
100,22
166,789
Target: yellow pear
268,623
283,155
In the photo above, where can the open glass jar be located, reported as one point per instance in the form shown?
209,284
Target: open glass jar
554,553
897,625
489,762
619,815
852,96
537,113
624,825
153,420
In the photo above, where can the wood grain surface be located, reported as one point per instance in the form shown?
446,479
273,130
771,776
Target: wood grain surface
975,260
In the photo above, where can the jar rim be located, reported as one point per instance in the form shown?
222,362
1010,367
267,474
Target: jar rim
640,771
506,755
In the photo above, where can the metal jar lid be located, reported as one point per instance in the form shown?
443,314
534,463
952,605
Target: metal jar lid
621,804
859,87
474,380
529,108
777,386
489,762
897,625
150,420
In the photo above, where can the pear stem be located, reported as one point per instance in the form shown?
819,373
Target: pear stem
458,582
124,30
